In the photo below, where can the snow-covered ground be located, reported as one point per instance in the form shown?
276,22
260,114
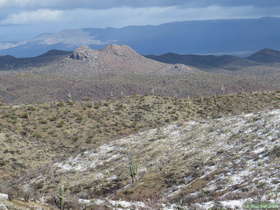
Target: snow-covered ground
238,150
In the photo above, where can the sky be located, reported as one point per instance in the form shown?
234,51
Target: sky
24,19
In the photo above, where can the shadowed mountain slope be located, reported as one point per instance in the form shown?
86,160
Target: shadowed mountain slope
204,61
12,63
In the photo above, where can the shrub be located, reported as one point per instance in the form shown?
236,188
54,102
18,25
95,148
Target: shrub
27,192
23,115
275,152
60,124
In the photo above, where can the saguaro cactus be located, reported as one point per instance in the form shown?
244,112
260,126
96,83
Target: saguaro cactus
133,169
61,197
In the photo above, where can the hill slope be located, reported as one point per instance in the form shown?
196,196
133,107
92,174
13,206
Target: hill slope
196,151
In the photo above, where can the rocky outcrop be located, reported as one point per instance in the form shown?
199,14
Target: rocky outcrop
86,53
83,53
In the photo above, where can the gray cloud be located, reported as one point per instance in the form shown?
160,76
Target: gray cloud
103,4
96,4
256,3
120,17
37,16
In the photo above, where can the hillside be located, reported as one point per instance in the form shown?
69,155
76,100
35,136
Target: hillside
188,37
189,152
12,63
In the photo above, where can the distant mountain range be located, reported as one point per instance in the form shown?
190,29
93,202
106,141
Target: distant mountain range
228,62
203,62
118,70
190,37
266,56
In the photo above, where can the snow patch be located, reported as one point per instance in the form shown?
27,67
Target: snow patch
4,196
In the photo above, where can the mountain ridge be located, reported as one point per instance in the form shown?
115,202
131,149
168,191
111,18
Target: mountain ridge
266,55
186,37
229,62
118,70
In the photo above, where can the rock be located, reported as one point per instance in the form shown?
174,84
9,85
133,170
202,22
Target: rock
83,201
3,197
82,53
3,206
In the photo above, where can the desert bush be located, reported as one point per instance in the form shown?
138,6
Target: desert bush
27,192
60,124
64,201
30,108
72,203
43,121
52,118
79,118
23,115
60,104
37,134
275,152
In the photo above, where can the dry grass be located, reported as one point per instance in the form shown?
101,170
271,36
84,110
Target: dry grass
34,136
46,130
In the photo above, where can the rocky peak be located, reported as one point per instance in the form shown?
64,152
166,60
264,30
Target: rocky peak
82,53
119,50
86,53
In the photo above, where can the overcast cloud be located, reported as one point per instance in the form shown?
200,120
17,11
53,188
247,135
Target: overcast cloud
97,4
38,16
